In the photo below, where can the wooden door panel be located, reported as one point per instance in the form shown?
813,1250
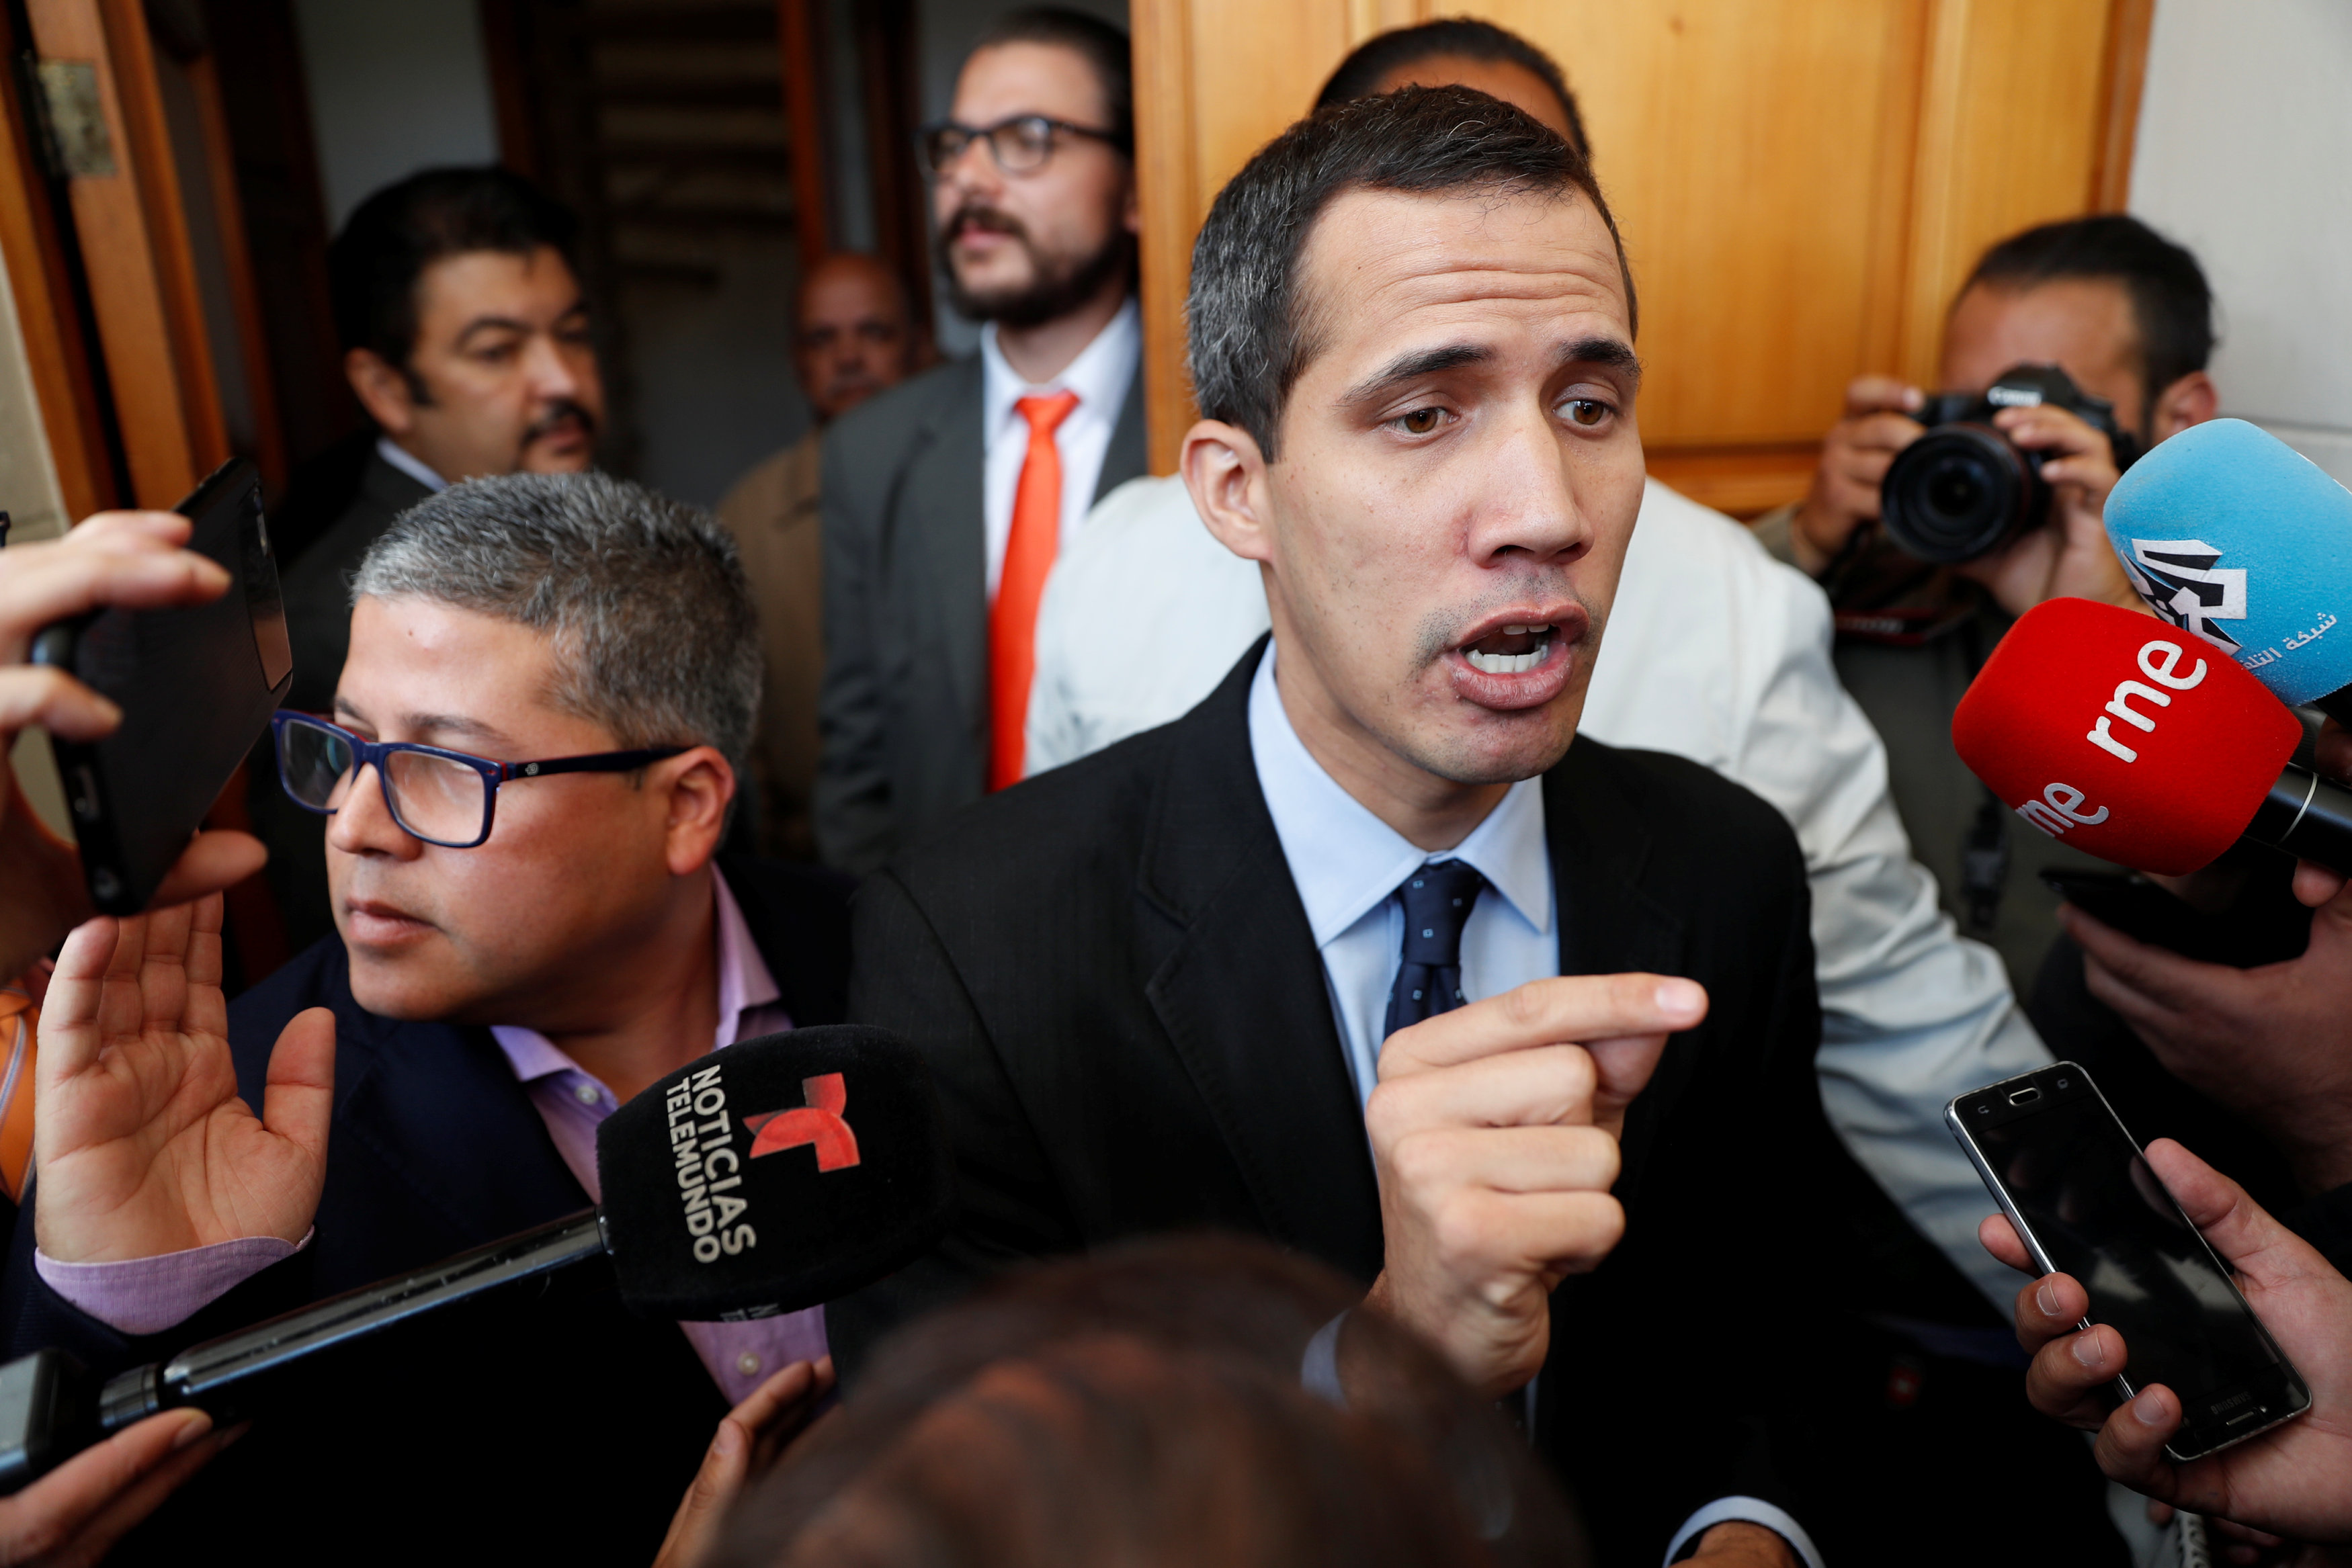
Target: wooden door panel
1800,182
1752,154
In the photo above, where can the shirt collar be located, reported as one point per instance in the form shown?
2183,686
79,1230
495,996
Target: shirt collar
1345,860
1100,375
408,462
745,985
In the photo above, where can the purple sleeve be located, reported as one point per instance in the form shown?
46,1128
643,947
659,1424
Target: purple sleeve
148,1295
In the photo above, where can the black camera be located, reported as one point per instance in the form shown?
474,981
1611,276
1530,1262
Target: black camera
1965,489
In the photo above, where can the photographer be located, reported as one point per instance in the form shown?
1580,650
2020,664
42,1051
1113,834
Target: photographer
2127,316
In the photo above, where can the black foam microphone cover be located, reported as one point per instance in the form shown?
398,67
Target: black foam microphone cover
775,1174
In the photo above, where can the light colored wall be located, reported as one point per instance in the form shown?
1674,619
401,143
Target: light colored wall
395,85
2245,138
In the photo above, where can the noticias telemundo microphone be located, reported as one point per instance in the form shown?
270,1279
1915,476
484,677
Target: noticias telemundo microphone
775,1174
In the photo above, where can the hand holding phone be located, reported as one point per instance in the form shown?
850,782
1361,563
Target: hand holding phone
2294,1480
135,561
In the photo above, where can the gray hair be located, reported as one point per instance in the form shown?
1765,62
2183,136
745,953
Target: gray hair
644,598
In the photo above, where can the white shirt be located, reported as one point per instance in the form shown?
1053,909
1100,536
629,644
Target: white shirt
408,462
1102,376
1714,652
1347,864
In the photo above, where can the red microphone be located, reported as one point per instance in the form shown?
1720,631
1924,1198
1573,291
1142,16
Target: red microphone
2139,743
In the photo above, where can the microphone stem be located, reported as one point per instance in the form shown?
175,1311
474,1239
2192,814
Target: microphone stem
214,1374
2308,817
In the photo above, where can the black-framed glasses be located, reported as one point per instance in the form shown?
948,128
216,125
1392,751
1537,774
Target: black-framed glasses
442,796
1020,145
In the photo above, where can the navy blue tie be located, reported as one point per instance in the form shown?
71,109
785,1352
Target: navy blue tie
1438,899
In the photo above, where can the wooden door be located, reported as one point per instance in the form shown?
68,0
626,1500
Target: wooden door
135,122
1801,183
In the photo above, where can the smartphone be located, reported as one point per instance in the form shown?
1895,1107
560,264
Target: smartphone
2087,1204
2263,925
196,684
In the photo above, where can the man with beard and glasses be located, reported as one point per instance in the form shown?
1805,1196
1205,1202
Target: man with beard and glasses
1362,954
852,337
947,499
466,338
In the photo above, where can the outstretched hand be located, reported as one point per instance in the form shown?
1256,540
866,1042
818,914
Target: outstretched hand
2295,1480
751,1439
140,1145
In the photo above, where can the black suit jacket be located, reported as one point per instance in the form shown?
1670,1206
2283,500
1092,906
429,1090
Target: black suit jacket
559,1428
903,712
318,627
1110,969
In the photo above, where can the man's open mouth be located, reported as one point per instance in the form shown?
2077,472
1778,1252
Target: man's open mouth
1512,649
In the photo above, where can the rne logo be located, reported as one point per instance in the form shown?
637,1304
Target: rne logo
2160,662
2058,809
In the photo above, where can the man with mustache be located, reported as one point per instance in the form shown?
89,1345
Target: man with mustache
514,961
466,338
854,337
1362,954
947,499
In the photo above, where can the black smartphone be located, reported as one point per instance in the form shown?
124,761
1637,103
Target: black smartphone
196,684
2086,1203
2262,924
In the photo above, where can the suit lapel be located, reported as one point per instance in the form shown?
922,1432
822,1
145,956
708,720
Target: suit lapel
1239,988
439,1108
1608,923
939,538
1126,458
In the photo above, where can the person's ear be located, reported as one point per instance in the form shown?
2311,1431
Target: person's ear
2192,399
695,785
1225,472
382,390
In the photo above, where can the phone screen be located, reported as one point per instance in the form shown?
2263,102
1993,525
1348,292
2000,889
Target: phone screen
2100,1215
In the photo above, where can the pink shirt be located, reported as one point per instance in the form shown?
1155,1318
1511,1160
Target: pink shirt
147,1295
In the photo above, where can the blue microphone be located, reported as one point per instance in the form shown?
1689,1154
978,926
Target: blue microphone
2230,533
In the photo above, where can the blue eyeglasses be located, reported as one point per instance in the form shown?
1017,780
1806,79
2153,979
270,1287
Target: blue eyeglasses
444,798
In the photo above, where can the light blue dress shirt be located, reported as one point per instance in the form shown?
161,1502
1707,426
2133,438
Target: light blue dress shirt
1347,864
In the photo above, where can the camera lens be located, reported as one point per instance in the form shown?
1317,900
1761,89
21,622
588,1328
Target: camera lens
1956,493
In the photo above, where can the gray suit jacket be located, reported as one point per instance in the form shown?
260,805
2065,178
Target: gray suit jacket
903,712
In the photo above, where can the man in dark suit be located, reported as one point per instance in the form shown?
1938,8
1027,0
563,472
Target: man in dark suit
512,964
946,500
466,338
1360,955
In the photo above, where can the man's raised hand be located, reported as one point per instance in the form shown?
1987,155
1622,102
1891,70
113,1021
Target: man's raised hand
1494,1134
2295,1480
140,1145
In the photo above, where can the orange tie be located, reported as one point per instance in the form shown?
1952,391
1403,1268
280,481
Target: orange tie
1029,552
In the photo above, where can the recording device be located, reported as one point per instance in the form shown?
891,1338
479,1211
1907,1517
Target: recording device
2231,534
775,1174
2263,925
1964,488
196,684
2140,744
2086,1203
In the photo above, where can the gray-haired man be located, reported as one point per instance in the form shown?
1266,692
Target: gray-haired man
512,961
